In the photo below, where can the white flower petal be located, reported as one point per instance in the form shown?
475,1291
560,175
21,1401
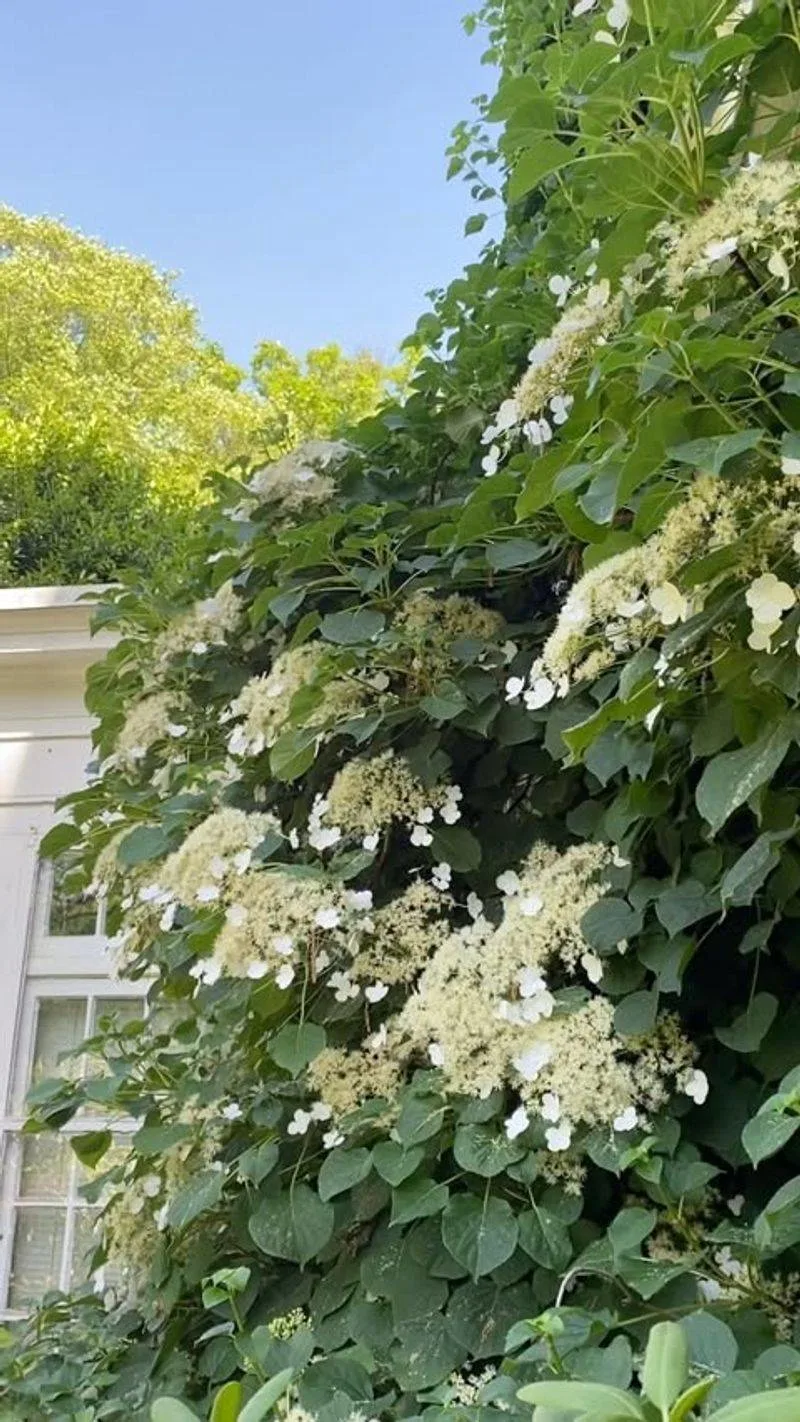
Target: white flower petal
540,693
592,966
627,1120
327,918
695,1085
516,1123
551,1107
670,604
530,1062
559,1137
374,992
508,882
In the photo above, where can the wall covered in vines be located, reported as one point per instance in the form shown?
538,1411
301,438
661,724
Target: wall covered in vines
455,817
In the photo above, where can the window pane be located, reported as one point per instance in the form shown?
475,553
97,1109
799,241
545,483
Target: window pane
84,1243
71,914
60,1025
36,1260
45,1168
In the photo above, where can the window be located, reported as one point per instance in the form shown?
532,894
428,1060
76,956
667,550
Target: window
70,914
46,1226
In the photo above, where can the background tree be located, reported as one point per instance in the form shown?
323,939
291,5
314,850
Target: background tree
320,395
114,408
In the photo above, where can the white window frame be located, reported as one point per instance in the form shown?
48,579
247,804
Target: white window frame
65,967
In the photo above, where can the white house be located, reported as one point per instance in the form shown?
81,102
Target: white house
55,975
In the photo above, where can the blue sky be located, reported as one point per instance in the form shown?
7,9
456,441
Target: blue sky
286,155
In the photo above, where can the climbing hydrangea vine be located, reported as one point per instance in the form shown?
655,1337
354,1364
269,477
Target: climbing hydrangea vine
454,819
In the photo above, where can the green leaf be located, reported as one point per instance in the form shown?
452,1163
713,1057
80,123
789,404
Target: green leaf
709,455
649,1276
169,1409
776,1406
514,553
545,1238
348,629
417,1199
227,1403
420,1118
456,845
612,1365
549,156
202,1193
59,838
778,1226
767,1133
152,1140
342,1169
712,1344
447,702
295,1225
297,1044
629,1228
144,843
480,1315
480,1234
635,1015
746,876
294,752
691,1399
255,1164
594,1398
749,1030
475,223
666,1365
264,1400
91,1147
484,1151
684,903
394,1163
609,922
424,1354
731,777
286,603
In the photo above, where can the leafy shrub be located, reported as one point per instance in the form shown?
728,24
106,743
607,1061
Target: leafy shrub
456,817
665,1394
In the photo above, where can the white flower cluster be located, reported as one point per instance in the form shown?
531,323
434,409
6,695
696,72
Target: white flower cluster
300,478
368,795
487,1012
627,598
208,623
159,717
757,209
542,400
264,706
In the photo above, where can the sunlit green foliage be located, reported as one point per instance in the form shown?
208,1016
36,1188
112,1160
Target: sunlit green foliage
114,408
